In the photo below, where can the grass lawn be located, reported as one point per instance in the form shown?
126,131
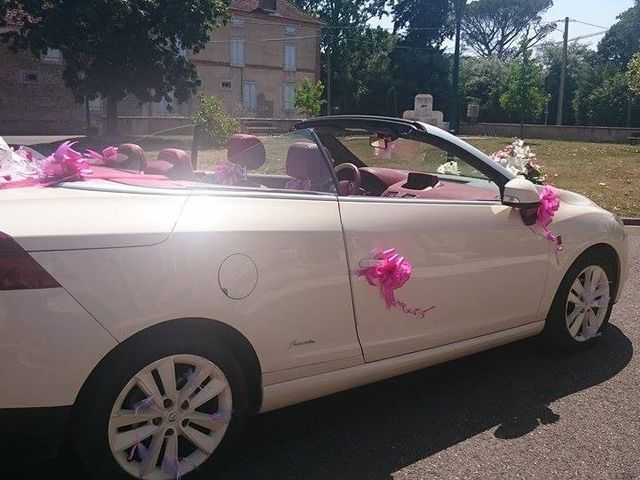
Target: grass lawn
609,174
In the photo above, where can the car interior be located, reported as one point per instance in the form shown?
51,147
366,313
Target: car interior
365,163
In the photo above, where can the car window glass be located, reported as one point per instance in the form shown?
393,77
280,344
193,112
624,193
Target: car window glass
293,162
411,168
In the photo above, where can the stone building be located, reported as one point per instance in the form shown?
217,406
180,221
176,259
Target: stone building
253,63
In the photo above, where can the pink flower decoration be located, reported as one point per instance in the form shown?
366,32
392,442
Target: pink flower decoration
107,155
391,272
228,173
549,205
64,165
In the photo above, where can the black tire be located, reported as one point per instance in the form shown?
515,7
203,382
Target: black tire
97,398
556,333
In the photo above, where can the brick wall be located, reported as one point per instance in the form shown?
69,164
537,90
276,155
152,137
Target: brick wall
39,104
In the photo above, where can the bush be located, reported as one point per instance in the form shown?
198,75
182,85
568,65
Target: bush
308,100
215,125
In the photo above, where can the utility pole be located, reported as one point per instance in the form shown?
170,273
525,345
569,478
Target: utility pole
455,94
563,71
328,82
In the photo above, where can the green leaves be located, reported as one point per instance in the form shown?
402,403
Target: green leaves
118,47
308,98
524,95
214,124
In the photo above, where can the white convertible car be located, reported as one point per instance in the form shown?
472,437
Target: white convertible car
147,310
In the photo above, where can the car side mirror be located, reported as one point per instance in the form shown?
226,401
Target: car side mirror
379,143
522,194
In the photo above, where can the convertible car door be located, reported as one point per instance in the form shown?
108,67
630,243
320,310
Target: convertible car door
476,270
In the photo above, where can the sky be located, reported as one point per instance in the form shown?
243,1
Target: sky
602,13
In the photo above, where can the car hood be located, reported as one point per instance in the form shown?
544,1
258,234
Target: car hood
82,218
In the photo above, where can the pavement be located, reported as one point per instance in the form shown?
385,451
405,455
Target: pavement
518,411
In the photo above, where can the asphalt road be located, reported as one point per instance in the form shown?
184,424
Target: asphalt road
515,412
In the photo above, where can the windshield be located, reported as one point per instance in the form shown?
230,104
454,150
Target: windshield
367,148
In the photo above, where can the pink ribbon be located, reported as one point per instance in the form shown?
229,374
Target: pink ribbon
390,271
229,174
107,155
549,205
64,165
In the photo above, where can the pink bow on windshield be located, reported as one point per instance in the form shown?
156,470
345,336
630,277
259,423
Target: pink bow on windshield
390,271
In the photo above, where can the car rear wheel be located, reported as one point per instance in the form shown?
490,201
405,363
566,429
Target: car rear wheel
583,303
161,412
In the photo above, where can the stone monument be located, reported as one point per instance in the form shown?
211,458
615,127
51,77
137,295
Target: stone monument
423,112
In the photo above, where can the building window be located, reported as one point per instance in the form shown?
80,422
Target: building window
53,56
29,77
226,85
290,58
250,96
237,22
290,29
237,52
289,95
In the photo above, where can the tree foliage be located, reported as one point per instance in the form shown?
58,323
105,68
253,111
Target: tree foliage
214,124
427,22
623,39
492,28
118,47
524,96
633,74
308,98
581,62
482,81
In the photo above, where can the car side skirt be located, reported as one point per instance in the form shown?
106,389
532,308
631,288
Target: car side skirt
296,391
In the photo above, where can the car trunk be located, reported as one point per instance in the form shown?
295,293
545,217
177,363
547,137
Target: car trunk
88,216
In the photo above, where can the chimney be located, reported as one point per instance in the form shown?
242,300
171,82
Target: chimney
268,6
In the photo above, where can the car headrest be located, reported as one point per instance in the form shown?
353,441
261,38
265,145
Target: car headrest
130,157
305,162
247,151
174,163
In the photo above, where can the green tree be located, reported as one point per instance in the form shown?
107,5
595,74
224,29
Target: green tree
524,96
482,81
427,22
115,48
622,40
581,62
633,74
342,42
308,98
418,63
611,103
213,123
491,28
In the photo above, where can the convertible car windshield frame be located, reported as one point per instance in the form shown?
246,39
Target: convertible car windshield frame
408,130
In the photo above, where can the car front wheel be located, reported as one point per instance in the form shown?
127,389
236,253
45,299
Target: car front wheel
583,303
161,411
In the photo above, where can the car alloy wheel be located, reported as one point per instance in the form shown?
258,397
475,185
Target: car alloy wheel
587,303
170,417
